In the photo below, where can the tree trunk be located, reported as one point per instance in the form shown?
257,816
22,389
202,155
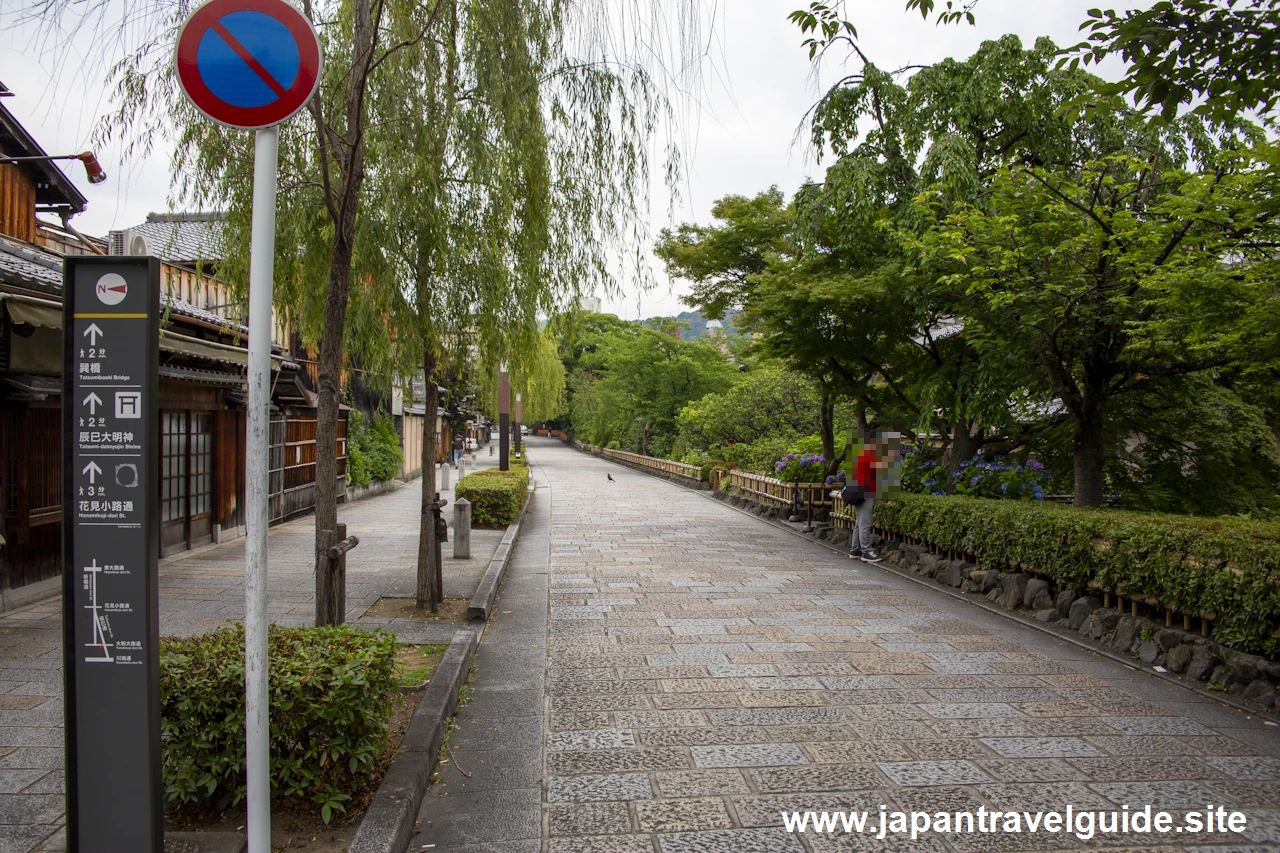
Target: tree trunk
964,444
1089,451
827,432
343,210
335,316
429,594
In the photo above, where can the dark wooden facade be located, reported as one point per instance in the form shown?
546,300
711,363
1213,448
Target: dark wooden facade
17,203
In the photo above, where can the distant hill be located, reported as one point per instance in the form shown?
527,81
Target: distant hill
698,325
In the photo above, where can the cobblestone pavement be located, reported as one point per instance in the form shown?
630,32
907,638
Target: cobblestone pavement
707,671
199,591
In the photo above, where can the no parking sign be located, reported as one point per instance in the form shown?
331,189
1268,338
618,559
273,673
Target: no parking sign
248,63
252,64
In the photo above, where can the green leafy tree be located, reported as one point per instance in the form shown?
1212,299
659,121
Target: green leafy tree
770,402
720,259
1126,269
1217,58
631,384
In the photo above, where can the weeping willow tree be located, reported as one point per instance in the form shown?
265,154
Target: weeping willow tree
508,172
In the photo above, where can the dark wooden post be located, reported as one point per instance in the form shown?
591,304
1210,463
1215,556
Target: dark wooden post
339,573
326,539
504,418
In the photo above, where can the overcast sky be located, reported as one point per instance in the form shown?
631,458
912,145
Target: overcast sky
754,99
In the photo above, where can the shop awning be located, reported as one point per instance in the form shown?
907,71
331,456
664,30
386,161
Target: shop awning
33,312
196,348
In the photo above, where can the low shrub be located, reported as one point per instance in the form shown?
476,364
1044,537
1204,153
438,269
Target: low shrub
1227,568
330,693
373,449
496,496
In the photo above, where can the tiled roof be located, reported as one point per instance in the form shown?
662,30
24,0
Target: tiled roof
26,266
183,237
186,309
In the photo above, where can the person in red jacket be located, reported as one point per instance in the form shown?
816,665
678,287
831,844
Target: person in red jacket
875,457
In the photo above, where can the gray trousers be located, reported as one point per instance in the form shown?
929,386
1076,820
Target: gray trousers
860,538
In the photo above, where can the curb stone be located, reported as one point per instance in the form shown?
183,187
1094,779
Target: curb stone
388,824
487,591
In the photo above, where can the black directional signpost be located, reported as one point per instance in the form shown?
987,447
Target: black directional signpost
111,552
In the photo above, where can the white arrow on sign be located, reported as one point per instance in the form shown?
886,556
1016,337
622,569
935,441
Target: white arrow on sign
92,333
92,470
93,401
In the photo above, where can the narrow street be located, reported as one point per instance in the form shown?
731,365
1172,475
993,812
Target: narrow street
705,671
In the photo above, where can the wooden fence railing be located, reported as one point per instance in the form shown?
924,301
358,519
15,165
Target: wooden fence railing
764,489
652,463
775,492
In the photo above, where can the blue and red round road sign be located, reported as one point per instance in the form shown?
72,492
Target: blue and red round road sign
248,63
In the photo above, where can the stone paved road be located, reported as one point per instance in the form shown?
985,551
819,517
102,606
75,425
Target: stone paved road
706,671
199,591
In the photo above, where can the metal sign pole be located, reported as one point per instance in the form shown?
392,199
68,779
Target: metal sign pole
262,252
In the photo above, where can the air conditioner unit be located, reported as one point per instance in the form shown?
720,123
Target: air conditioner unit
129,242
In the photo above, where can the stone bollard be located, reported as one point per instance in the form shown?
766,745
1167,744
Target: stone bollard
462,529
491,448
443,483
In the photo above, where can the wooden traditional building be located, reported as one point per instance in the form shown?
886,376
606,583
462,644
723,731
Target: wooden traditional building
203,360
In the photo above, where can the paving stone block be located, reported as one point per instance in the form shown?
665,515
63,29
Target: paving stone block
683,815
747,755
920,773
588,818
665,719
700,783
713,736
591,739
616,760
599,787
775,716
1041,747
829,777
571,721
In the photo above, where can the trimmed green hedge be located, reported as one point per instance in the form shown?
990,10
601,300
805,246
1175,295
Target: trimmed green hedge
496,496
1226,568
330,692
